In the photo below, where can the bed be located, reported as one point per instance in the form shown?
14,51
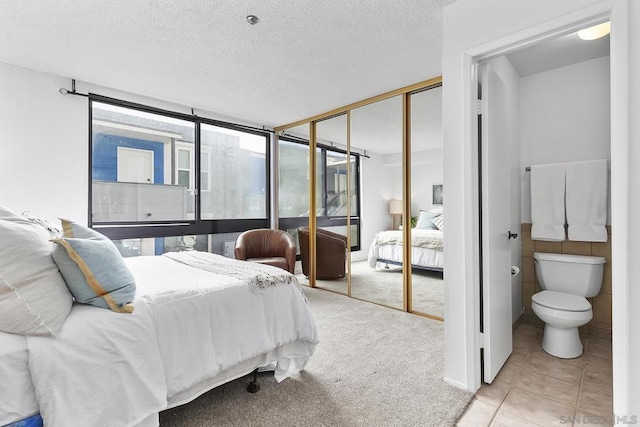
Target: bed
199,320
426,249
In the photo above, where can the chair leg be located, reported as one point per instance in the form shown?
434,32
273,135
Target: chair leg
254,386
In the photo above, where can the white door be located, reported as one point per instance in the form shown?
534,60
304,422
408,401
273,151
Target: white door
135,165
496,220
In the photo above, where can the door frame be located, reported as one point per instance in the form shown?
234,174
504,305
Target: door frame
617,13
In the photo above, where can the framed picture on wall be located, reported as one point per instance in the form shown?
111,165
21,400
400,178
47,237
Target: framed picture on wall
437,194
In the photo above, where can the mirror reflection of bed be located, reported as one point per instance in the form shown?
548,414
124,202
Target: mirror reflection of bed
427,258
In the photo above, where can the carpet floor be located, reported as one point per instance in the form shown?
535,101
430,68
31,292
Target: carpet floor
373,367
384,286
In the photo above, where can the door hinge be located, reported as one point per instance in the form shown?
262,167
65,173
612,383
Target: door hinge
479,105
481,340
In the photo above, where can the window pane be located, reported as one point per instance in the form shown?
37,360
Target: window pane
133,166
204,181
183,179
236,164
221,244
354,188
294,180
184,160
336,184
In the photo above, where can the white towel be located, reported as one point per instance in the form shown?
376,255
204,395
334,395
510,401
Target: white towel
587,184
547,202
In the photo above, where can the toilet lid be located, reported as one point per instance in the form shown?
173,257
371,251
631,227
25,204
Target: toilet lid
561,301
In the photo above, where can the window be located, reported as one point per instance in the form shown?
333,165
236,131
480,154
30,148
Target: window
237,163
294,179
158,174
133,176
331,188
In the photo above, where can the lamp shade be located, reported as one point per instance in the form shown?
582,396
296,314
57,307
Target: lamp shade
395,207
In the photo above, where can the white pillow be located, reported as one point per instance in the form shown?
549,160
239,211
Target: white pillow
34,299
425,221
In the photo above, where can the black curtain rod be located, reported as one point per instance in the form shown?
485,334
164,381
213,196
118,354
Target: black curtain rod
320,144
65,91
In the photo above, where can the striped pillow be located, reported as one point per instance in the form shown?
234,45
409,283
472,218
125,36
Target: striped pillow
438,222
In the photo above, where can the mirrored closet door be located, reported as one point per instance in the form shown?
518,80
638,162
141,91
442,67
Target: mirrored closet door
294,191
427,255
332,243
376,272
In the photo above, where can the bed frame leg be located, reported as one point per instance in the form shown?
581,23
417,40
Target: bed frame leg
254,386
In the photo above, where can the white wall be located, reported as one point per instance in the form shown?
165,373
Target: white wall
565,117
426,170
474,27
43,145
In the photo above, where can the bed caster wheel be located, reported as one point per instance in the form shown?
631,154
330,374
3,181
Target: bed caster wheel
253,387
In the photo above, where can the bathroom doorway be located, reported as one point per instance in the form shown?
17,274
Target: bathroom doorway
556,110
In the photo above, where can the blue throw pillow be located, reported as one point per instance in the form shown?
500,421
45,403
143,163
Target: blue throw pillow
93,269
425,220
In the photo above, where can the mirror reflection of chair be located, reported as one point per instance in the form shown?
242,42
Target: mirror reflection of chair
267,246
331,252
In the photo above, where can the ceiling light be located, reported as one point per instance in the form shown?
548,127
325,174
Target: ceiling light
595,32
252,19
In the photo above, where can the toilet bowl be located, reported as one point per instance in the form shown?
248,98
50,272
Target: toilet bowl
567,281
562,314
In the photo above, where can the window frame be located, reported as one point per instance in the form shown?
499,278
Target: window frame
285,223
196,226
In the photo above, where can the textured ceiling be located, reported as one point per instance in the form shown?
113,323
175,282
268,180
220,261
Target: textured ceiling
303,58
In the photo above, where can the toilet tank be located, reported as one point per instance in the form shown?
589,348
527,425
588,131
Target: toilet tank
573,274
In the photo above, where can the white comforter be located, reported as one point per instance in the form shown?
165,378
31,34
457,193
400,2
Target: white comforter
426,248
188,326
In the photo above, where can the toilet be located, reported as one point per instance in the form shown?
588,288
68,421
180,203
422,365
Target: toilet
566,281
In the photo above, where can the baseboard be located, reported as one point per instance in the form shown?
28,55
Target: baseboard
455,383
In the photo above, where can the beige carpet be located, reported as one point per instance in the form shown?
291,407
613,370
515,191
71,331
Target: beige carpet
384,286
373,367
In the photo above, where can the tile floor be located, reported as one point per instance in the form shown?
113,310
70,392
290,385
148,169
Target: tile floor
537,389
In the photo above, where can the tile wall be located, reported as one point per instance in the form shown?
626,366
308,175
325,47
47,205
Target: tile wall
600,326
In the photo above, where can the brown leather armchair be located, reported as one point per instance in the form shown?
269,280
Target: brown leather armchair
331,252
266,246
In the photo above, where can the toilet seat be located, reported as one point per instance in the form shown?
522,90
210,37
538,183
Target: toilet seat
561,301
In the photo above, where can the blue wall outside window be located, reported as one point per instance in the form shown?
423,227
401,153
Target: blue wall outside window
105,156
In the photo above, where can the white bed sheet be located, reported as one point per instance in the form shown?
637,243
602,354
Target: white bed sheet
420,256
191,330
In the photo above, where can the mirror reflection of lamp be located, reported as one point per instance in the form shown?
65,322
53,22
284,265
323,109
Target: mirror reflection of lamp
395,209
